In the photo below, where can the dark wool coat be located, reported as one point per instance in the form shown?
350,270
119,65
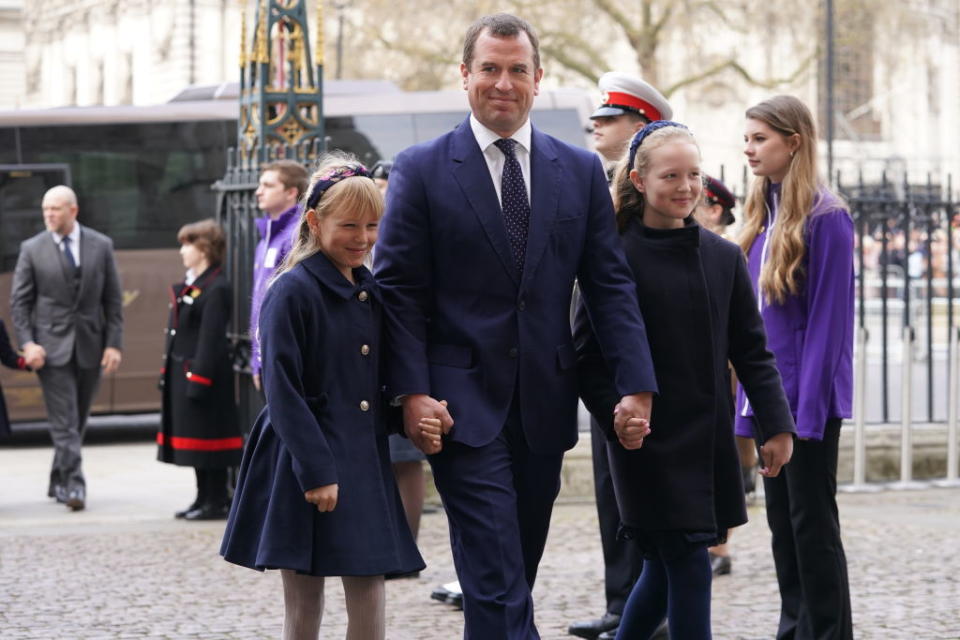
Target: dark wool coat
698,305
320,345
199,420
9,358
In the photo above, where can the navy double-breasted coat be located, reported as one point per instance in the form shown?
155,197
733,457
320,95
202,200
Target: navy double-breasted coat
320,346
10,359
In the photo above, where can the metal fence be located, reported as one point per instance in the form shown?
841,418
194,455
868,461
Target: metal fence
237,211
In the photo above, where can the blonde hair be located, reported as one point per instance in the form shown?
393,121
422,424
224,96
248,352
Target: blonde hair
627,199
783,269
356,193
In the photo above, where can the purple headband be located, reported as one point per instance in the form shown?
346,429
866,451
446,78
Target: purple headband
320,186
639,137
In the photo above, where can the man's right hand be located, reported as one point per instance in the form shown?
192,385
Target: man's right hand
34,355
418,406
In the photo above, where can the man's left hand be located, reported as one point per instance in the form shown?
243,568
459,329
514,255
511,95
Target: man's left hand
111,360
637,405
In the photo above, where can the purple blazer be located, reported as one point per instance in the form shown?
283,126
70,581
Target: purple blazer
811,333
276,239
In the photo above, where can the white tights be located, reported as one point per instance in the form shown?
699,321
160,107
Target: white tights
303,606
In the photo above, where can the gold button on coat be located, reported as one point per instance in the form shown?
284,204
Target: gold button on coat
362,296
364,405
365,350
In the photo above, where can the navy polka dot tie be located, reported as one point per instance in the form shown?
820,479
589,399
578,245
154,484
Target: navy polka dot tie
513,201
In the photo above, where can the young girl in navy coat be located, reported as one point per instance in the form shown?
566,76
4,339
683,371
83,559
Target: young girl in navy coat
798,237
315,495
682,490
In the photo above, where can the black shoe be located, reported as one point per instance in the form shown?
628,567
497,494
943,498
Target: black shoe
591,629
720,565
183,513
75,500
449,593
609,635
455,600
208,512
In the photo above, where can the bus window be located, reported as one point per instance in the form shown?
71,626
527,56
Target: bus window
21,190
137,182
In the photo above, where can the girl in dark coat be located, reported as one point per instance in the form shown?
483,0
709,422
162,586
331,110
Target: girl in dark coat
316,496
199,424
682,490
11,359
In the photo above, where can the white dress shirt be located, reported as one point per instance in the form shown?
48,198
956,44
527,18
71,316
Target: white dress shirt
495,158
74,242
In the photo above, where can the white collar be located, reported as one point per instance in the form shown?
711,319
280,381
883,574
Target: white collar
73,235
485,137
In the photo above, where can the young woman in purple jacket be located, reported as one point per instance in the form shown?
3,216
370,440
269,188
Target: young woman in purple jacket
798,237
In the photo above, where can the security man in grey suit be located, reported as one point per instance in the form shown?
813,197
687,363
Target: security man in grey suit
67,310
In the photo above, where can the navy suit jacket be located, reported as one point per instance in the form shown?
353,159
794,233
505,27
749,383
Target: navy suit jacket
463,325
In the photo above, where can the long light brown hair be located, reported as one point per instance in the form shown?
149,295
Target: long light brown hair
628,201
355,193
783,269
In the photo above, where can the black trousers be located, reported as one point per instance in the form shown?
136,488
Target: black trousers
811,566
622,561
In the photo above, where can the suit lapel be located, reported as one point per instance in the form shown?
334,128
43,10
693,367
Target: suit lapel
472,174
86,259
544,200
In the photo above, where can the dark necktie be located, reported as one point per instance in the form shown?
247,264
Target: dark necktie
513,201
68,254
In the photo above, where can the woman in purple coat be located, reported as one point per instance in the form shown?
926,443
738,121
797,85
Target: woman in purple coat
798,237
315,494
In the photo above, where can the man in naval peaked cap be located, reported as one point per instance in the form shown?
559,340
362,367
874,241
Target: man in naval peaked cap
628,104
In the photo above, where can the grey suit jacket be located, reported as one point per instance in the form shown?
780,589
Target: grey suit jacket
49,309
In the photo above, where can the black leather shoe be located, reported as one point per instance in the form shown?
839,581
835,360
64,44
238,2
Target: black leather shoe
183,513
75,500
720,565
591,629
208,512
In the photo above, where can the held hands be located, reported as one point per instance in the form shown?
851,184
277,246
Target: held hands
111,360
774,453
324,497
34,355
631,419
426,421
256,381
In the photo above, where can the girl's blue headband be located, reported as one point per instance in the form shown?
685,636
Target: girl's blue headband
332,178
639,136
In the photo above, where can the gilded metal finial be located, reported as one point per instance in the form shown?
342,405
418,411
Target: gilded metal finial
319,53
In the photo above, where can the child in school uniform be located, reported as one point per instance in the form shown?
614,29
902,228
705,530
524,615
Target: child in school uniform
315,495
677,479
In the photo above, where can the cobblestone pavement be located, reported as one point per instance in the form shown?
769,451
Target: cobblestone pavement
124,568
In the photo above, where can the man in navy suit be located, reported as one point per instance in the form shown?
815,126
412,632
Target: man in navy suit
486,229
